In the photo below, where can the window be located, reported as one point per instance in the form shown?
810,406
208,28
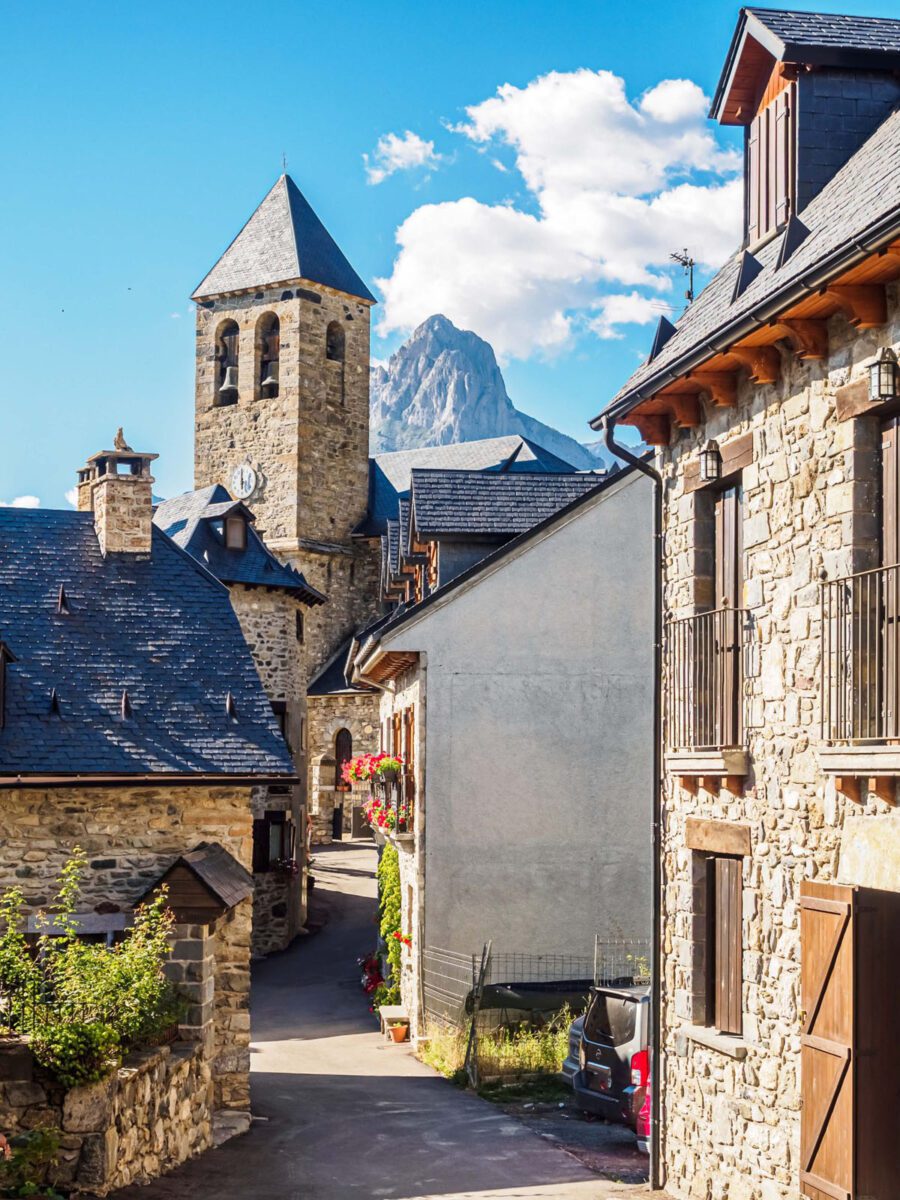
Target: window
268,349
770,170
300,629
335,342
343,752
273,839
279,708
718,938
235,533
226,373
610,1020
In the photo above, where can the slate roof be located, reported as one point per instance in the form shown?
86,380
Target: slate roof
220,871
801,32
161,628
486,504
857,210
333,679
190,520
389,473
283,241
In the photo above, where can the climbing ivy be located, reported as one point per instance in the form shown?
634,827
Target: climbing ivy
389,900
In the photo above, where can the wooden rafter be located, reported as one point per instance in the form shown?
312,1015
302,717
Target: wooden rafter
686,412
655,428
863,304
720,386
762,362
808,339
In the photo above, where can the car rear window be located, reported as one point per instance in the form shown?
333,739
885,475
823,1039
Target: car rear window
610,1020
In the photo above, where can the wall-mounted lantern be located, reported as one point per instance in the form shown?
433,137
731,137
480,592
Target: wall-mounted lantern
883,383
710,463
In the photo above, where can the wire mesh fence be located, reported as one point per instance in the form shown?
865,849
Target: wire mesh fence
496,1005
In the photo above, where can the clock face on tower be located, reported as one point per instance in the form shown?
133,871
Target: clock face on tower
244,480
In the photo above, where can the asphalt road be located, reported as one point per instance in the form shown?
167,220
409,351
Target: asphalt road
340,1114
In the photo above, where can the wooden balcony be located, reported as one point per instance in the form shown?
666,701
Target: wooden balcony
705,694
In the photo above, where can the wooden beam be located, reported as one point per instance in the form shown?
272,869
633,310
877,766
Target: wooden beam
686,411
655,428
720,386
863,304
849,786
717,837
763,362
885,788
808,339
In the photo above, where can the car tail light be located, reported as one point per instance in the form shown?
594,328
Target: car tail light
640,1068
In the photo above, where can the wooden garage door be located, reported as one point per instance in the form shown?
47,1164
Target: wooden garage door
827,1055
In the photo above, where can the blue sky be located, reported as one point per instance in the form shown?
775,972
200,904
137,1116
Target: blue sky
137,139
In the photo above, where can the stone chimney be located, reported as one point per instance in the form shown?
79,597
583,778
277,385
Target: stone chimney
117,487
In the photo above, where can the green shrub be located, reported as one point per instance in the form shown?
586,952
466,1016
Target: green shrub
77,1052
389,913
85,1004
25,1161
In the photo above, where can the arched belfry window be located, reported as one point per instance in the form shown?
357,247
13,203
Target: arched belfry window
268,341
343,752
226,377
335,341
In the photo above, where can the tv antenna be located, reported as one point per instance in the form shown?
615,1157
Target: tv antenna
283,163
685,261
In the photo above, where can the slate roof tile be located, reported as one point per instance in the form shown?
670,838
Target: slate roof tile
160,627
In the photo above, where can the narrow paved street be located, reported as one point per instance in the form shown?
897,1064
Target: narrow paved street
340,1113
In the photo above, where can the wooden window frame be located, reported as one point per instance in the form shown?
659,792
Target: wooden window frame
718,942
770,176
235,533
263,858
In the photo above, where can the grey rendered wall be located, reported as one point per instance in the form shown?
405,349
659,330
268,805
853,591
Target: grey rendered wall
456,557
537,749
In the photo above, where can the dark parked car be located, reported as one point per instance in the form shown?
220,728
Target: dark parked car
613,1058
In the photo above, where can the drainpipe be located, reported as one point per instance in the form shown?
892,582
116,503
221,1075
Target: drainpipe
608,426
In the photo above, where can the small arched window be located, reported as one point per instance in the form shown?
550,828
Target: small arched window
335,341
343,752
226,376
268,344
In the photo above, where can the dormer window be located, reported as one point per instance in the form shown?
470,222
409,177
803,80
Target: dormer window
771,164
235,533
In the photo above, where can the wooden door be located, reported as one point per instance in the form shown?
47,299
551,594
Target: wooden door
827,1043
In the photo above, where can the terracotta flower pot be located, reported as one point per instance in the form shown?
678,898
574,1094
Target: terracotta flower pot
399,1032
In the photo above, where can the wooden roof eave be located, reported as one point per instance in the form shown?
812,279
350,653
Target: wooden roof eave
801,326
380,666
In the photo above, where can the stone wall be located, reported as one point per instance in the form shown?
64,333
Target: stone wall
146,1118
310,444
731,1124
356,711
131,836
269,623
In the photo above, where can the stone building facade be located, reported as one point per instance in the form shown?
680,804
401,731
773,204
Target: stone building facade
354,712
779,827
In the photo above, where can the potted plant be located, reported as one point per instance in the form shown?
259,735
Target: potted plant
399,1031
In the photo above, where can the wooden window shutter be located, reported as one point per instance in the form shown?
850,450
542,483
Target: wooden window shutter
753,175
727,991
783,155
260,845
728,519
890,492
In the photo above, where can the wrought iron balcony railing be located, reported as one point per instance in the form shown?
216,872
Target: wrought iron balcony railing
861,657
705,680
399,795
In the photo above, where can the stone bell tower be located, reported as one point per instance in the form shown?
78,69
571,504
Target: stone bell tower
282,399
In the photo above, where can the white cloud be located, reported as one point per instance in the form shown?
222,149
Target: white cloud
613,187
619,308
72,497
399,153
22,502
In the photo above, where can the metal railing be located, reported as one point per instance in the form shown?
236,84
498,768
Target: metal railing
400,796
705,680
861,657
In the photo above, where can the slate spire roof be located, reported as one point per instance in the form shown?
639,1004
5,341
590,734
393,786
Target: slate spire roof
282,242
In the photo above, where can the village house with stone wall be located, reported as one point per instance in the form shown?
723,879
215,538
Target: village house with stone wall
133,724
518,696
272,602
773,407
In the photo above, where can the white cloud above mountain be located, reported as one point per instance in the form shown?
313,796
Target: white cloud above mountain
611,186
399,152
